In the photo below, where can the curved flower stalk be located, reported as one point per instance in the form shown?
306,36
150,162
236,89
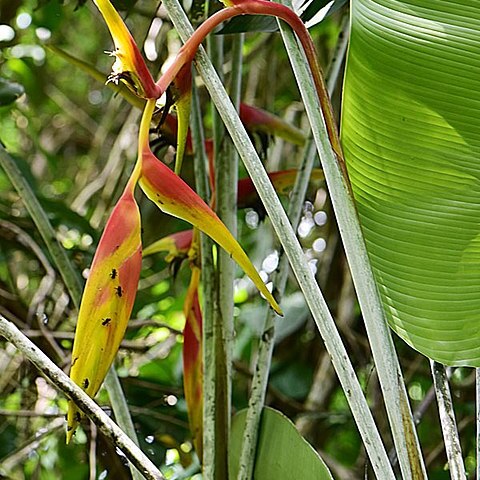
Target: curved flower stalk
269,8
107,300
129,66
173,196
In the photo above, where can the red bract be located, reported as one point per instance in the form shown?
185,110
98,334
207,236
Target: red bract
107,300
177,245
258,120
192,361
173,196
282,181
129,65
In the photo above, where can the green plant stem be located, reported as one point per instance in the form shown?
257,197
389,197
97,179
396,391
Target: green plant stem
383,350
226,168
81,399
121,412
64,266
263,362
207,276
261,370
316,302
224,276
447,420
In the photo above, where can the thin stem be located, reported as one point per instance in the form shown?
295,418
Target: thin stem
302,271
447,420
224,276
144,129
262,367
267,339
380,338
208,272
61,381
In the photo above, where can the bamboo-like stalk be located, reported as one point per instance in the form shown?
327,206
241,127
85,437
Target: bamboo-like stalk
67,272
224,276
61,381
447,420
121,412
262,367
207,276
226,167
323,319
261,370
380,338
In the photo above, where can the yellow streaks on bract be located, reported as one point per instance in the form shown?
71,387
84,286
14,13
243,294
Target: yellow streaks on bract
129,65
173,196
107,301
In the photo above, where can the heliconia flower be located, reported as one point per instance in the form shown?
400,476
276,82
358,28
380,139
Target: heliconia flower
192,361
177,245
175,197
129,65
107,300
283,181
255,120
181,88
258,120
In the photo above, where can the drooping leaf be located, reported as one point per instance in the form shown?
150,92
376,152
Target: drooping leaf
9,92
411,133
282,453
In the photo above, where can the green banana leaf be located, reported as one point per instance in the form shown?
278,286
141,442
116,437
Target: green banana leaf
282,453
411,134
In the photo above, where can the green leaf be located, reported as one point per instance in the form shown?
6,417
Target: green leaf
266,24
9,92
411,133
250,23
316,5
282,453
